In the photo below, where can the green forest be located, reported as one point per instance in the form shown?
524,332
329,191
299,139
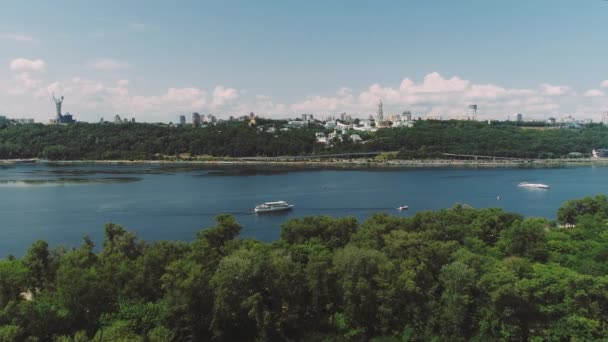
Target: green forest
457,274
427,139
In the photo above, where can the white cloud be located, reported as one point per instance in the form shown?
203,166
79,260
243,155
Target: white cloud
433,95
552,90
604,84
594,93
17,37
24,64
22,84
224,96
439,96
107,64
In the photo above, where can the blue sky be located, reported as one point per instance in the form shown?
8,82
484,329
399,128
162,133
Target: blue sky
155,60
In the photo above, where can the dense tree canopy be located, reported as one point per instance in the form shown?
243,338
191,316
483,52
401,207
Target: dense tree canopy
456,274
427,139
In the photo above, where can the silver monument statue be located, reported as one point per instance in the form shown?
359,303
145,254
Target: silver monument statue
58,103
61,118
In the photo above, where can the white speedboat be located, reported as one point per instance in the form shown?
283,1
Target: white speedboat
403,207
533,185
269,207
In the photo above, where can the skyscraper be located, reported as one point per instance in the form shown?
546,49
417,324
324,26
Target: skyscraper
379,113
520,117
182,120
196,119
407,115
472,112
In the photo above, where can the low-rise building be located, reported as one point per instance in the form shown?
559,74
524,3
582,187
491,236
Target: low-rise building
330,125
408,123
356,138
297,124
321,138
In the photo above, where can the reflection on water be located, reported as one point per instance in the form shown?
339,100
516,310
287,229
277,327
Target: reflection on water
65,181
246,172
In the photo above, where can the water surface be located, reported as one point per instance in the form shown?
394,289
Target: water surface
62,203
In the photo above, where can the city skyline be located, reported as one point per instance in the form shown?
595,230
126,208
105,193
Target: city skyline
542,59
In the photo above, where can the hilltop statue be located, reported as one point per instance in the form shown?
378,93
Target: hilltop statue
60,118
58,104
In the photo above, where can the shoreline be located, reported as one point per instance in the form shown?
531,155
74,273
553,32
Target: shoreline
333,163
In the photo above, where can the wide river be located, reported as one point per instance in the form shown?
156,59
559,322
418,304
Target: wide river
62,203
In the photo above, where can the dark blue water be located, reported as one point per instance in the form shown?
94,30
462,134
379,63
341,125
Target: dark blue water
61,204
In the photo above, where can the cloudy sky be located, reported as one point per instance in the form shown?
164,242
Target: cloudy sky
154,60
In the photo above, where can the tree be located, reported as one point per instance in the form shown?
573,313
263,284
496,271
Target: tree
527,239
571,210
40,265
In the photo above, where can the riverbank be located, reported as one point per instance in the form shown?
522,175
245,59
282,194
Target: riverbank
334,163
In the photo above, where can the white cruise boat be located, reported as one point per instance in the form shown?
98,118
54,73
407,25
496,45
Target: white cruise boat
533,185
272,207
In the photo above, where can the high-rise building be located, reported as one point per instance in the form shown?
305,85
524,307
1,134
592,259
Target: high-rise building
407,115
182,120
117,119
520,117
196,119
343,116
379,112
472,112
307,117
605,118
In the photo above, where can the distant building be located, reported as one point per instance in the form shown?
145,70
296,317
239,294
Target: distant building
406,116
605,118
520,117
334,135
117,119
356,138
308,117
132,120
330,125
182,120
343,126
575,155
599,153
402,123
379,112
24,121
252,119
320,137
297,123
196,119
343,116
472,112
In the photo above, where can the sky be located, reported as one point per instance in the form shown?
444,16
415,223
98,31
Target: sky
155,60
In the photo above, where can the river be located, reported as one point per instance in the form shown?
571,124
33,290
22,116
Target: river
62,203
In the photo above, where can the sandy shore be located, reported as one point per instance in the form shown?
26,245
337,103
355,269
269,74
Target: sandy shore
337,163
